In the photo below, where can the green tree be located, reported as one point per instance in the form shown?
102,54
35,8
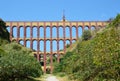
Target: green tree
86,35
4,34
116,21
18,63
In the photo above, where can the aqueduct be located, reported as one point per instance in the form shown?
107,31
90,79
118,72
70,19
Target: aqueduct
56,34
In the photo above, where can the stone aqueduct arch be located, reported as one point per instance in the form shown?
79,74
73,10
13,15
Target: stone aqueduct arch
51,25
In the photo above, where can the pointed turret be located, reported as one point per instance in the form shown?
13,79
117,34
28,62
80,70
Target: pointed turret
63,18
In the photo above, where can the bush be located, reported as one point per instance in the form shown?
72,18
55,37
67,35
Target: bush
17,63
68,45
86,35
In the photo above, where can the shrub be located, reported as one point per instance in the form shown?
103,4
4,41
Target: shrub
17,63
86,35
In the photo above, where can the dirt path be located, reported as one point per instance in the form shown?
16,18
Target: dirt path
51,78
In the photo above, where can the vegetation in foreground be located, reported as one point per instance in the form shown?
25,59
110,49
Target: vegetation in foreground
4,34
95,58
16,62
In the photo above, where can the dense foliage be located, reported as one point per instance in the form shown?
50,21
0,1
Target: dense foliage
97,59
16,62
4,34
86,35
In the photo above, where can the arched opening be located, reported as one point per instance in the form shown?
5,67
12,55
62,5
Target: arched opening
34,45
99,27
54,57
61,45
14,31
86,28
54,44
67,43
8,29
54,32
48,64
35,55
73,41
48,46
67,31
27,32
47,32
61,56
41,30
60,32
73,32
34,32
15,40
41,45
48,59
41,59
28,44
80,31
92,28
21,42
21,32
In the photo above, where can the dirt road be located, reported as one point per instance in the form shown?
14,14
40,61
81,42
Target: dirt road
51,78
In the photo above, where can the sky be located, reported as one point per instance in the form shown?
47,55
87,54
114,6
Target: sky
52,10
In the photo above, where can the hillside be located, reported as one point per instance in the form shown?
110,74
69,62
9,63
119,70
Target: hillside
96,59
